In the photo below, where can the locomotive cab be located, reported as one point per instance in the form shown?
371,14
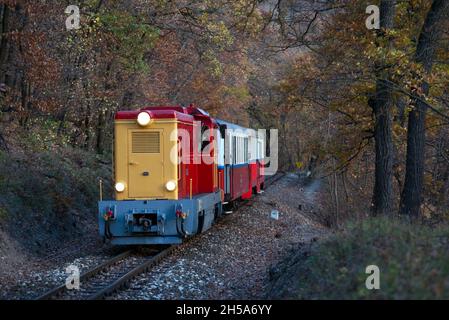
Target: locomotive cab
143,168
164,191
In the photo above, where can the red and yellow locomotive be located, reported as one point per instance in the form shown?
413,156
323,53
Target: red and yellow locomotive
176,168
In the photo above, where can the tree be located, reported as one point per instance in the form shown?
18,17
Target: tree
381,104
411,197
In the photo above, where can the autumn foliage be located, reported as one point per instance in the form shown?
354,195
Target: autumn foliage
308,68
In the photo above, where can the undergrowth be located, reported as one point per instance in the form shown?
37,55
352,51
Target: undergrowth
413,260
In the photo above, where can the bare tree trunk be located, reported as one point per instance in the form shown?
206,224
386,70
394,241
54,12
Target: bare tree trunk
8,73
411,197
13,18
345,188
284,132
100,132
381,105
336,196
4,45
87,137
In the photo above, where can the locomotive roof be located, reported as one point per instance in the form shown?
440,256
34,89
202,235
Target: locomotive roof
172,112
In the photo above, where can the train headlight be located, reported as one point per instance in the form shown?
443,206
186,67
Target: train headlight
143,119
171,185
120,187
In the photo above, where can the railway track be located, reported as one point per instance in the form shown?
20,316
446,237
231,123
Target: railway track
268,182
274,178
109,277
114,274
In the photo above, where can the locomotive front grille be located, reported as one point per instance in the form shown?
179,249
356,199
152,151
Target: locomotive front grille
146,142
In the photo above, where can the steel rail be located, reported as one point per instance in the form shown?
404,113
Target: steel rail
274,178
124,279
85,276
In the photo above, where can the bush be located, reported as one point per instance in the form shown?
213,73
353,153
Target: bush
413,261
51,195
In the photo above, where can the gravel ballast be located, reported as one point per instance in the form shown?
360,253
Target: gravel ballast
234,259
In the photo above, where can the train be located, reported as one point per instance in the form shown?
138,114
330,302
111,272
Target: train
176,171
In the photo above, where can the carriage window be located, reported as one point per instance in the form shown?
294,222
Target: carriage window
245,150
199,139
205,142
257,150
239,150
234,150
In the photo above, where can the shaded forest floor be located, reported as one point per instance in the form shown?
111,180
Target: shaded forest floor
47,206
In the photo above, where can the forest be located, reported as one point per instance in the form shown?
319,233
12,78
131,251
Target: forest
363,108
